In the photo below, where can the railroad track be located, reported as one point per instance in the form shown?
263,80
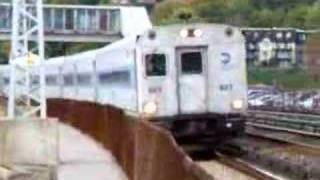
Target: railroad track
296,123
289,160
280,134
299,136
245,167
233,165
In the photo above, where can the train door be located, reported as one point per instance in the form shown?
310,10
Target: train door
192,80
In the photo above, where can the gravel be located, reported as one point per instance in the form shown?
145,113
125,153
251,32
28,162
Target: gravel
81,158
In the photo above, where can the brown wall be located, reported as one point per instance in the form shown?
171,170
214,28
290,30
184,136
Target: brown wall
144,151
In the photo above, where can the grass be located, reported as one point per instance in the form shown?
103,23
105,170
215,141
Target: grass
289,79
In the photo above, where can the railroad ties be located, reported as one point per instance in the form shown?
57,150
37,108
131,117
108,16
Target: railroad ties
288,122
285,143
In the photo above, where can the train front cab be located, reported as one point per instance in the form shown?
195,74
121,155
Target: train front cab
192,93
195,118
184,102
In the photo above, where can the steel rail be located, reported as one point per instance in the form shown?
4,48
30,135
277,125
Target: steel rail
245,167
311,116
294,123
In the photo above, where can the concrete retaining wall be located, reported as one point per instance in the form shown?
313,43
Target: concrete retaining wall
144,151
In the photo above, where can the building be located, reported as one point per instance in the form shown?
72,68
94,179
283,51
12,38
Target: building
134,1
274,46
148,3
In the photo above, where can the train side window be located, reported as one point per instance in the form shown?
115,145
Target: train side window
191,63
68,80
35,79
51,80
115,78
84,79
155,64
6,80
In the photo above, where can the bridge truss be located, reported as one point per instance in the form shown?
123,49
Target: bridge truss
27,92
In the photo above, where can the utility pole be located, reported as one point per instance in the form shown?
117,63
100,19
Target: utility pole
27,79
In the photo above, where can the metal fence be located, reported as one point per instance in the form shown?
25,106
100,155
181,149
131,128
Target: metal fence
144,151
274,99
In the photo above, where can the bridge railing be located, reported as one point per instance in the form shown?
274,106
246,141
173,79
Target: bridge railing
72,19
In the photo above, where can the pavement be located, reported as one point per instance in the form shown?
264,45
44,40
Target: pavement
79,158
221,172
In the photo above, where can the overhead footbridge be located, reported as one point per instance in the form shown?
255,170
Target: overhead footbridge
82,23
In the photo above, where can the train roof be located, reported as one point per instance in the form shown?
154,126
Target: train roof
195,25
210,33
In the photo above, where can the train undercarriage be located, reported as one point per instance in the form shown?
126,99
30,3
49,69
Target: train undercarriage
212,130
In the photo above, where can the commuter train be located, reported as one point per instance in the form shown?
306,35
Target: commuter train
192,78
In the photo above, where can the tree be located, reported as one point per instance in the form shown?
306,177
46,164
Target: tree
89,2
312,53
313,17
4,52
287,5
63,2
267,18
297,16
104,1
213,11
239,12
163,13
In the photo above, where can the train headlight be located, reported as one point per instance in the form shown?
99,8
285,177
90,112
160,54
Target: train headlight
184,33
237,104
198,33
150,108
229,125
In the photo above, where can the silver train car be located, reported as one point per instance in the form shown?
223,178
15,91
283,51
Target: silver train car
191,78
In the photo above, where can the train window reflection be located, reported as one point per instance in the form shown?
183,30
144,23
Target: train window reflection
191,63
155,64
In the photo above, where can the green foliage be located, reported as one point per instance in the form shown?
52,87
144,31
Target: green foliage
104,1
164,11
292,79
267,18
221,11
313,17
297,16
4,52
89,2
63,2
61,48
257,13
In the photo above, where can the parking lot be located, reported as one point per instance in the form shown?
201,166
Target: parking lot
272,98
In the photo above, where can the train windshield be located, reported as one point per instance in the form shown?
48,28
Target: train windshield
191,63
155,64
